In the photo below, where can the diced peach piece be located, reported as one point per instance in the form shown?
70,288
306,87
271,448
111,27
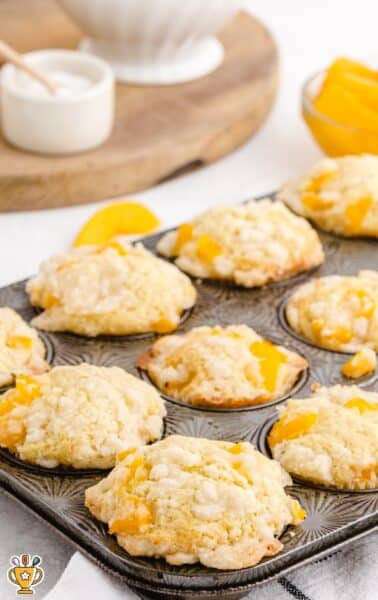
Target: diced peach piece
235,335
366,303
339,334
314,202
27,389
134,466
122,455
299,513
342,334
283,430
361,404
362,363
240,468
20,341
356,213
236,448
139,514
310,197
164,325
270,361
317,329
318,181
130,525
366,474
207,248
6,406
24,393
184,235
11,438
49,300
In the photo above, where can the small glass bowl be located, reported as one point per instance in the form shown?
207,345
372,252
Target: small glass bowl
336,139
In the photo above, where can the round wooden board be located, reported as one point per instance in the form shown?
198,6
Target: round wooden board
158,130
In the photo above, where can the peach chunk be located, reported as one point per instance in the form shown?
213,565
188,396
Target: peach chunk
362,363
20,341
184,235
207,248
270,360
283,430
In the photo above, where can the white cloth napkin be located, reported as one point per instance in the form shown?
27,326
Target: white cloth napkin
351,574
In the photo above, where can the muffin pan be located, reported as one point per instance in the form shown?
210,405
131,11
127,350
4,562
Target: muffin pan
334,517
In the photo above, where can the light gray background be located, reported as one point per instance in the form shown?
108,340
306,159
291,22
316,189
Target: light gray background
310,35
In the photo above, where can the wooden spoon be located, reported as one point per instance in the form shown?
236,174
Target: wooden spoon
18,61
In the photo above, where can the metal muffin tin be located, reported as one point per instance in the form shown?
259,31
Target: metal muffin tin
334,519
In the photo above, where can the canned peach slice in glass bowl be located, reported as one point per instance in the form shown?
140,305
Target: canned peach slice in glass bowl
340,107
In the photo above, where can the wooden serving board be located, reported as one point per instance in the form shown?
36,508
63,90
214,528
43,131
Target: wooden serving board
158,130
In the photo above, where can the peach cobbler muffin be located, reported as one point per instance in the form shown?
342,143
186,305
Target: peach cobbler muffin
79,416
21,349
339,195
330,438
337,312
194,500
221,367
249,244
113,289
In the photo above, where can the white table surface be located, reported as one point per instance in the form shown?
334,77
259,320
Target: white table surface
310,35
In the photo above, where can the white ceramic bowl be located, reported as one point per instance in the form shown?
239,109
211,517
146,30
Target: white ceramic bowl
50,124
154,41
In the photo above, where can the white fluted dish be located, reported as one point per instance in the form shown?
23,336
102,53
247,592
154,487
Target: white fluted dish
158,42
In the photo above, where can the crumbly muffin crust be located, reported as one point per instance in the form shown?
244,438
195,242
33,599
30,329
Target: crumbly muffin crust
339,195
114,289
330,438
190,499
222,367
21,349
337,312
79,416
249,244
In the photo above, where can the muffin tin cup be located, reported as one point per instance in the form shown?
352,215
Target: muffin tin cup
232,285
62,471
263,445
335,517
121,338
281,310
298,385
49,356
368,379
